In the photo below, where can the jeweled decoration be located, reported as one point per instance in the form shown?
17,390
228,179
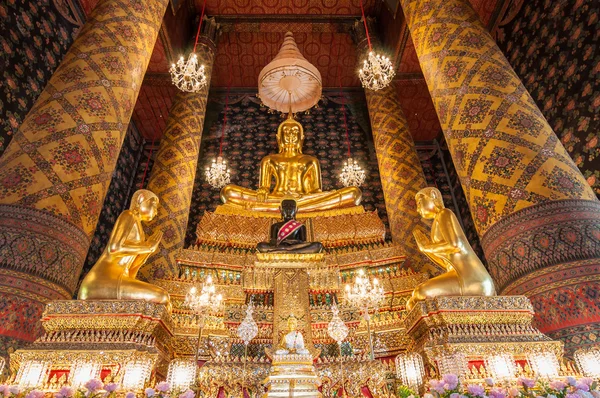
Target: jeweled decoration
136,373
544,364
352,174
188,75
218,175
336,328
248,329
201,302
501,366
410,370
455,363
32,374
365,295
83,371
588,361
181,374
377,72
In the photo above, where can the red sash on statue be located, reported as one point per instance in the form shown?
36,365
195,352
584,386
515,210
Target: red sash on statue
287,229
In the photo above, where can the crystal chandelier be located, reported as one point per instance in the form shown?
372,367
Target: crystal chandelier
83,371
377,71
409,369
218,175
455,363
181,374
352,174
201,302
338,331
136,373
501,366
32,374
365,296
187,75
247,330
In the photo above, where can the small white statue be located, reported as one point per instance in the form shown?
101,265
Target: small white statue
293,342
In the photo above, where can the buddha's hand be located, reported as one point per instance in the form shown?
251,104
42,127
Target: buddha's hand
420,238
262,194
154,240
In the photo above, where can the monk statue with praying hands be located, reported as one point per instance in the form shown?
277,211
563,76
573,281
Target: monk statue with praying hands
289,235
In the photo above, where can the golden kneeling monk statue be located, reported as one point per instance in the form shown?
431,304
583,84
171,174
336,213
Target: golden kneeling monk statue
113,275
448,247
296,176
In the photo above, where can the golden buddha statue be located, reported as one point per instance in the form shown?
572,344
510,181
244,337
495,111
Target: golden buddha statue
113,275
296,176
448,247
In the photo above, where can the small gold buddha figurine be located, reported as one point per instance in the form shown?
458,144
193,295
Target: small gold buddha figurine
289,235
296,175
448,247
113,275
293,341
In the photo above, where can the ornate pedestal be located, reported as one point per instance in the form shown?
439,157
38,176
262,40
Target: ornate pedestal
293,376
476,327
111,333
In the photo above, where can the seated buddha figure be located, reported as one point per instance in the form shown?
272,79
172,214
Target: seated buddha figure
289,235
448,247
113,275
293,341
296,175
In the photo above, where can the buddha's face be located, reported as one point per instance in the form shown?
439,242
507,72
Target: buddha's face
288,209
292,324
148,208
290,136
428,205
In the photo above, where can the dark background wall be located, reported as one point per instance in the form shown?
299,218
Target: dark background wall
553,47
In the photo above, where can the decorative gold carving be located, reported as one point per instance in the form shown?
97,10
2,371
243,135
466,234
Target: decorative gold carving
476,326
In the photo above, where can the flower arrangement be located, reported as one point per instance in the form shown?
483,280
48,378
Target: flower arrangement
163,390
449,387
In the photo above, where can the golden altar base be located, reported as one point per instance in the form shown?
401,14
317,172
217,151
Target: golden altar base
292,375
476,327
109,332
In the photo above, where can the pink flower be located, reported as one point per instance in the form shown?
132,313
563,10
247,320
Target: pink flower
150,392
524,381
64,392
558,385
437,386
513,392
497,392
111,387
569,395
94,385
4,390
582,386
163,386
571,380
450,381
455,395
489,381
476,389
586,380
188,394
130,395
35,394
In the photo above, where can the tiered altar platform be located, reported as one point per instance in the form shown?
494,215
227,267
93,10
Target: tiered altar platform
292,376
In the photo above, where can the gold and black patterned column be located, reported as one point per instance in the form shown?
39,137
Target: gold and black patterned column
174,170
538,219
400,169
57,168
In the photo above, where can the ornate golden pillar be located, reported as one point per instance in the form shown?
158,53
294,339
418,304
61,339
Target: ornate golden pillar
57,168
538,219
174,171
399,165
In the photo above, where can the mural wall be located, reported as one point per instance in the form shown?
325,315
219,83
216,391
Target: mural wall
553,47
34,36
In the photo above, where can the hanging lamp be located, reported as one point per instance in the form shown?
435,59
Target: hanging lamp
377,70
218,175
352,174
187,75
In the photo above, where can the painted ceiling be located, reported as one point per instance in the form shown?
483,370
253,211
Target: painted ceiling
252,32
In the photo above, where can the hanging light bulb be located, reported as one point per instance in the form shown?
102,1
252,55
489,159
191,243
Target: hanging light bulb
377,71
352,174
187,75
